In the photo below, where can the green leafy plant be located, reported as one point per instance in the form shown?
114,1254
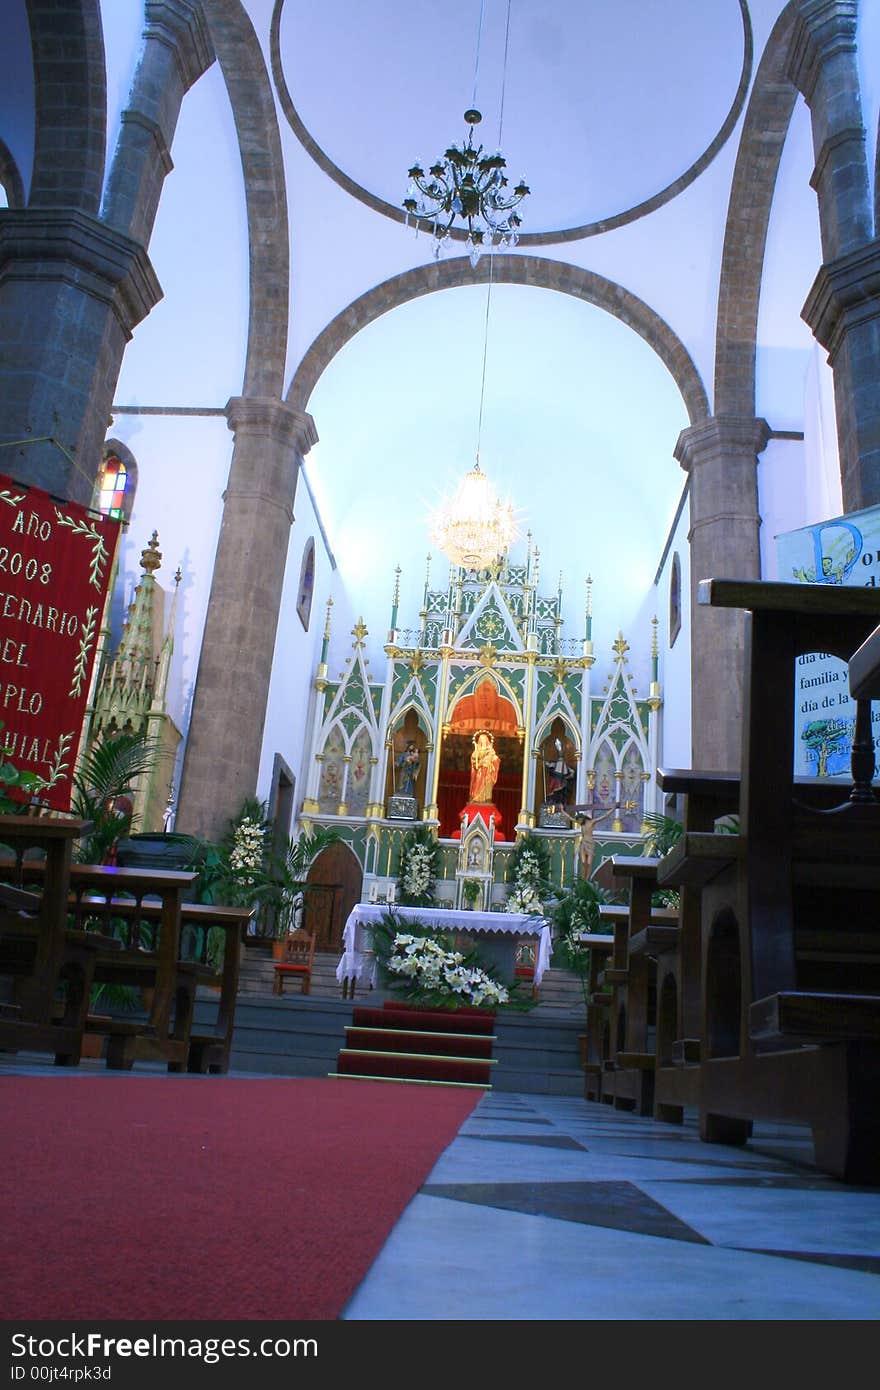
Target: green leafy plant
471,890
288,871
103,785
575,917
529,871
417,869
16,785
663,833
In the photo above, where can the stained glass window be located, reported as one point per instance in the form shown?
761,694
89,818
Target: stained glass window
111,487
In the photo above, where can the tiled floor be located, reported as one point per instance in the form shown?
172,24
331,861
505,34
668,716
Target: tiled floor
549,1208
546,1207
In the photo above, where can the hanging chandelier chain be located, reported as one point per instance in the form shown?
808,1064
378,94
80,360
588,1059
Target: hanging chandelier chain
485,353
503,73
477,60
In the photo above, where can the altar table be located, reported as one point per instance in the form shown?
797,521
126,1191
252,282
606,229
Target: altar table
359,963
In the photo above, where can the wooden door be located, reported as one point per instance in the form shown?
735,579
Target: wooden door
335,881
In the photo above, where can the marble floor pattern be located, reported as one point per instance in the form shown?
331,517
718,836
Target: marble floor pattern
548,1207
553,1208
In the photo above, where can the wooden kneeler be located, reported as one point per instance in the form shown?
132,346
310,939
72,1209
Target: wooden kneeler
297,963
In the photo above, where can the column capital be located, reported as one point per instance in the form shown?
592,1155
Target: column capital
846,292
718,436
265,415
71,246
822,29
182,26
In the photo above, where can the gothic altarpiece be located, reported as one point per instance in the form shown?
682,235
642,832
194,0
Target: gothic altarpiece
488,678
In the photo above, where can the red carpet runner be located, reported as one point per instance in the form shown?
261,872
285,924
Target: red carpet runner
205,1198
453,1046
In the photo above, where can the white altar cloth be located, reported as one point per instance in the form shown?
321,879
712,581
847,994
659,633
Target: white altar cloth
359,963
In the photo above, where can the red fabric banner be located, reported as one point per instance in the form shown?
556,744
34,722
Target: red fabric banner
55,565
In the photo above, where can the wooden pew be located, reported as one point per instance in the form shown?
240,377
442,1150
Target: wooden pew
789,924
597,1044
641,934
43,957
143,907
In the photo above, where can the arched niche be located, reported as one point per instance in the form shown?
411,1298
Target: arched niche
483,708
556,772
408,738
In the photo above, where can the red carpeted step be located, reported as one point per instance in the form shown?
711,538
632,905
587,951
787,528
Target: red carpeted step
397,1040
427,1020
408,1066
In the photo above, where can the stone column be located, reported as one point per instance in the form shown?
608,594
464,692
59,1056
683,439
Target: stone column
229,707
73,286
843,306
177,50
720,456
843,310
71,292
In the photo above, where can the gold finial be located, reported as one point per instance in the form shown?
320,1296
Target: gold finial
327,623
655,650
488,654
560,670
151,557
359,632
397,573
620,647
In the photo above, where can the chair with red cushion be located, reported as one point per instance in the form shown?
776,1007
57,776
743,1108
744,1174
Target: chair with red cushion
298,958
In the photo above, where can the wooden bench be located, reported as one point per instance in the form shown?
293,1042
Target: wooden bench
639,930
50,966
790,933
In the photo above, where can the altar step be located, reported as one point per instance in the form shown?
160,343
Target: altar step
559,993
410,1044
299,1035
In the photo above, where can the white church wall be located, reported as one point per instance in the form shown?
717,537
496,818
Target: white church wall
675,651
297,652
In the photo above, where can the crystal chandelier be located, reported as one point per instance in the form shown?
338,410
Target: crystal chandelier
474,527
469,185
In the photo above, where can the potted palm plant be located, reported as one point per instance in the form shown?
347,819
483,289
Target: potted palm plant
286,880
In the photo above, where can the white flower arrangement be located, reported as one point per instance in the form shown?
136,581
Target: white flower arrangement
525,895
248,847
418,874
429,967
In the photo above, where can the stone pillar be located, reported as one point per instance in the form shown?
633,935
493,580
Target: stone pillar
843,306
177,50
71,292
720,456
843,310
229,707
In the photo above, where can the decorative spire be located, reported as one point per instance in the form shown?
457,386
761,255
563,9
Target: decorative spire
151,557
359,632
395,602
620,647
654,690
326,641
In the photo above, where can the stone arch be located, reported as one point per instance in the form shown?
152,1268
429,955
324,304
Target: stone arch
259,140
723,986
70,99
537,271
667,1019
768,117
10,177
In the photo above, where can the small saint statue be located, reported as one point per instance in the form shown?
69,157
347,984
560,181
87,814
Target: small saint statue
485,764
409,763
560,775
